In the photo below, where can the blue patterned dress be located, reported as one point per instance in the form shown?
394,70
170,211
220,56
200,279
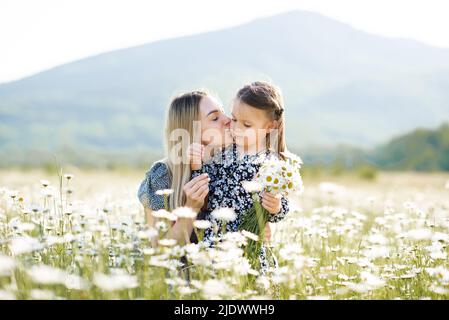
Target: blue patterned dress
227,171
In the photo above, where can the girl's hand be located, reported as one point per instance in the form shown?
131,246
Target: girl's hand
195,155
271,202
196,191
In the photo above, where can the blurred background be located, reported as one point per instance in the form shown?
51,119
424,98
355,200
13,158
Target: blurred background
86,83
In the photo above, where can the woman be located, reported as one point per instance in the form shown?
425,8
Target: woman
193,117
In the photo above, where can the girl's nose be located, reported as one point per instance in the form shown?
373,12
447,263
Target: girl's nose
227,121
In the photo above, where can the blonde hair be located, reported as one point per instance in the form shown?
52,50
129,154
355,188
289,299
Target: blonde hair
266,96
182,113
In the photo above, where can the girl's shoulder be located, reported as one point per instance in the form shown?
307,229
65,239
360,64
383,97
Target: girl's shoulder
223,156
229,151
273,155
262,156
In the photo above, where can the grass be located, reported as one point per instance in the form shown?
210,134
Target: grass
350,236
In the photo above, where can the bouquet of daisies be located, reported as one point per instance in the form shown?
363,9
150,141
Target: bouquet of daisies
279,176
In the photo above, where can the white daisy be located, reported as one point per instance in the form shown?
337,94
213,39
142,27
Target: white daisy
164,192
185,212
224,214
202,224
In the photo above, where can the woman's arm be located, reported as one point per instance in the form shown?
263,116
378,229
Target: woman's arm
156,178
196,191
149,218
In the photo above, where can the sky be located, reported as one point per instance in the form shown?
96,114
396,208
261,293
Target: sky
36,35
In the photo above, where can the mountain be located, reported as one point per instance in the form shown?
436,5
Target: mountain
340,85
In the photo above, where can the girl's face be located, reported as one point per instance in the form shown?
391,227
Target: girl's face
214,123
250,126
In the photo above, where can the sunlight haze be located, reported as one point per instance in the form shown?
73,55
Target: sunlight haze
38,35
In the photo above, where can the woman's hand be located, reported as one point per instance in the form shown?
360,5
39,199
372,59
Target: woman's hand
195,155
271,202
196,191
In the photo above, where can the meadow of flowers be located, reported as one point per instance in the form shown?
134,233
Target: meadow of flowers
83,236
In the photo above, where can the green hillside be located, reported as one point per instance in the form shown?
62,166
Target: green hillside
341,86
421,150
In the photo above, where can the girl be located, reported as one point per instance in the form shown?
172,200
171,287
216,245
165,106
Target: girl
257,126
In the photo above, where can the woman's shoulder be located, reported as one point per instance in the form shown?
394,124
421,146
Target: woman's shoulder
158,170
156,178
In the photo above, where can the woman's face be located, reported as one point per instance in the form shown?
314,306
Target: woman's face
214,123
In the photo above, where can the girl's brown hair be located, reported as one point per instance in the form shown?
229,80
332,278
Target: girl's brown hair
266,96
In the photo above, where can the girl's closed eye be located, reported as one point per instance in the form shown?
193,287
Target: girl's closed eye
246,124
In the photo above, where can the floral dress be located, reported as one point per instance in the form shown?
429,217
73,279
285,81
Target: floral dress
227,172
